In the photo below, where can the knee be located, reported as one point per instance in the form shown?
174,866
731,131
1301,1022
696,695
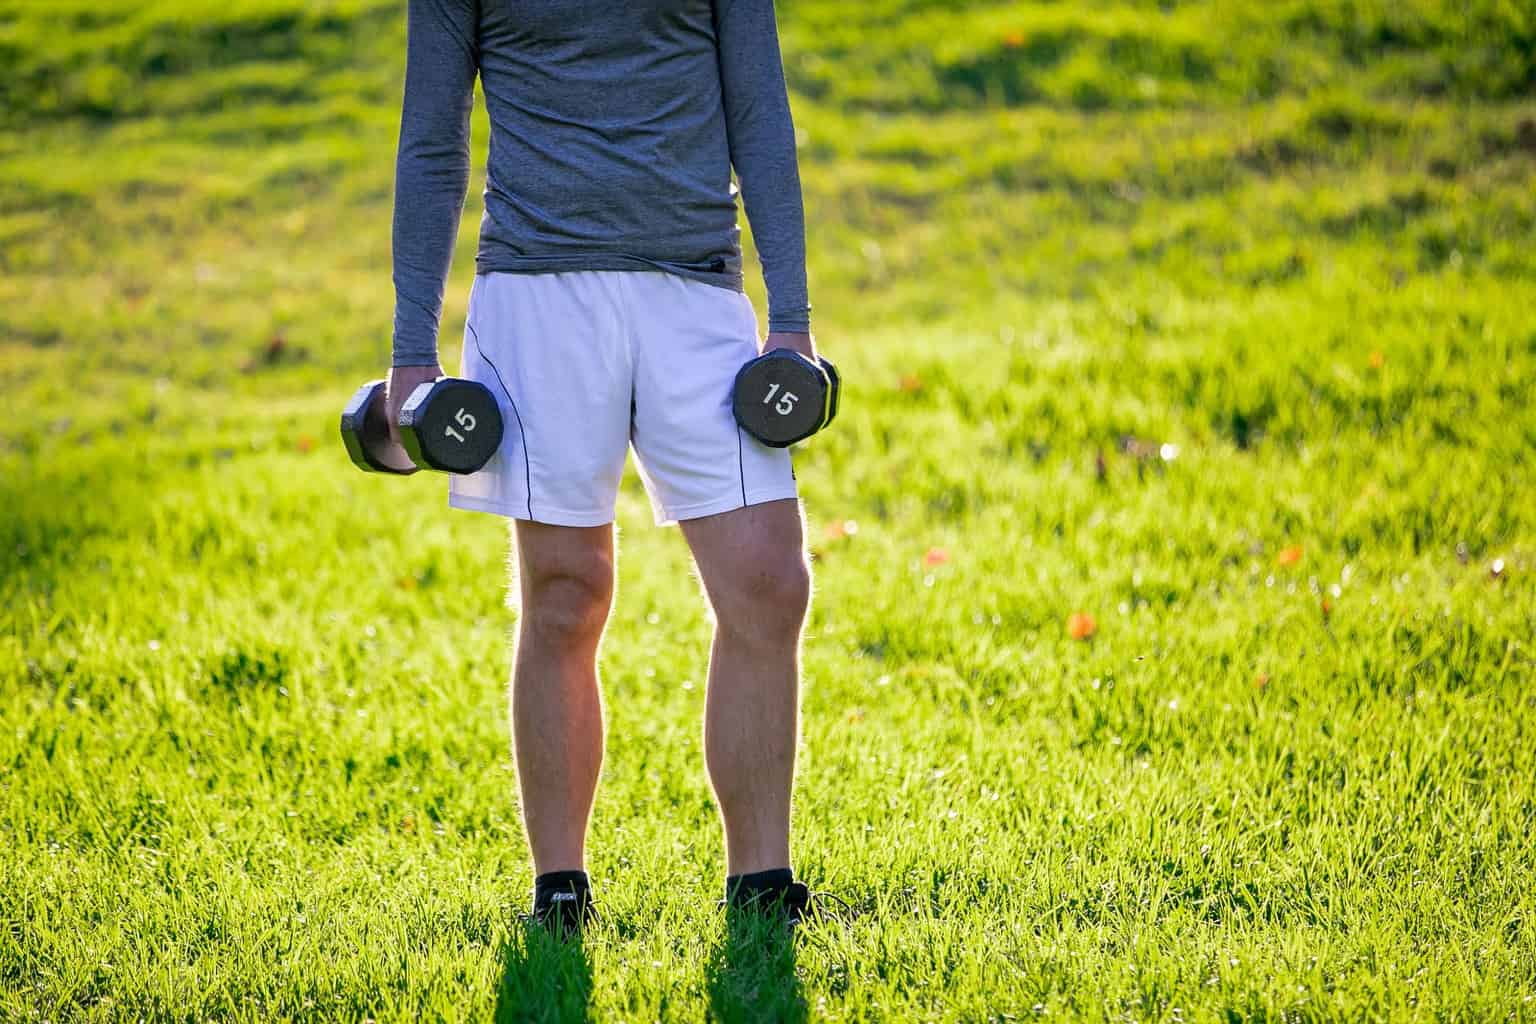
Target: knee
768,601
568,603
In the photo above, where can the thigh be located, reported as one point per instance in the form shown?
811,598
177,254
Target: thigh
552,347
690,339
757,550
577,559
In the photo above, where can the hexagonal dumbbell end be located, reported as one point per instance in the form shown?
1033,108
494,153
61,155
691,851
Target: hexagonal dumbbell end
781,398
451,425
834,389
365,431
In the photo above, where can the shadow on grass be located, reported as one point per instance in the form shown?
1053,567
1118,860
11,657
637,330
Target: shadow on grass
542,979
752,974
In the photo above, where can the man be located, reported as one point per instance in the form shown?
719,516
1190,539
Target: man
608,311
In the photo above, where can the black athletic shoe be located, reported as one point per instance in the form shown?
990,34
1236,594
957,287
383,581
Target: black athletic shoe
796,903
564,916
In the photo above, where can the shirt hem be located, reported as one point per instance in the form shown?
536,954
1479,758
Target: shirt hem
502,263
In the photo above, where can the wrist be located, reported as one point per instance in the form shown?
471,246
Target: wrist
796,341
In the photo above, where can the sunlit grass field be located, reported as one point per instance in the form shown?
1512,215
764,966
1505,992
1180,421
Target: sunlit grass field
1171,656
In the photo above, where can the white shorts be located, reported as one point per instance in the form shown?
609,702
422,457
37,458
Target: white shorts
586,364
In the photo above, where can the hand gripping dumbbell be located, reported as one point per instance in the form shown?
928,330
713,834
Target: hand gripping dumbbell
449,424
782,397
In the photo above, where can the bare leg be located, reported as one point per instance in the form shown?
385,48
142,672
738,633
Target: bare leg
557,713
755,574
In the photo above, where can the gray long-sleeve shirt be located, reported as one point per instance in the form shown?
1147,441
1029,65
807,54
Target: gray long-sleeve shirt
614,131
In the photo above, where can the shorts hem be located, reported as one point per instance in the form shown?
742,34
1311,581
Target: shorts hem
668,516
520,510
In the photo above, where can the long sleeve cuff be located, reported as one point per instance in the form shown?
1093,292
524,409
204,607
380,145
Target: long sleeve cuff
790,321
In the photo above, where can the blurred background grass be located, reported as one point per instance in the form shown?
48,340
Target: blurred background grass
204,177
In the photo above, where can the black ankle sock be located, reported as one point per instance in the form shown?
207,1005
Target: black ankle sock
758,887
561,884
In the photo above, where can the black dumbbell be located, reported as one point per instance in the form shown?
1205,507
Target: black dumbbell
450,425
781,397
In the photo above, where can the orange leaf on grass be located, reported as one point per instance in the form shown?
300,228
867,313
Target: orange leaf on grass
1081,625
1377,360
1013,40
936,556
838,529
911,383
306,444
1289,556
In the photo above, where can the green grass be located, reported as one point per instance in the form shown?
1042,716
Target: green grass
253,742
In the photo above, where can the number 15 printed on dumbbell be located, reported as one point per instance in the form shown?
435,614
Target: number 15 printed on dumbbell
786,402
466,420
